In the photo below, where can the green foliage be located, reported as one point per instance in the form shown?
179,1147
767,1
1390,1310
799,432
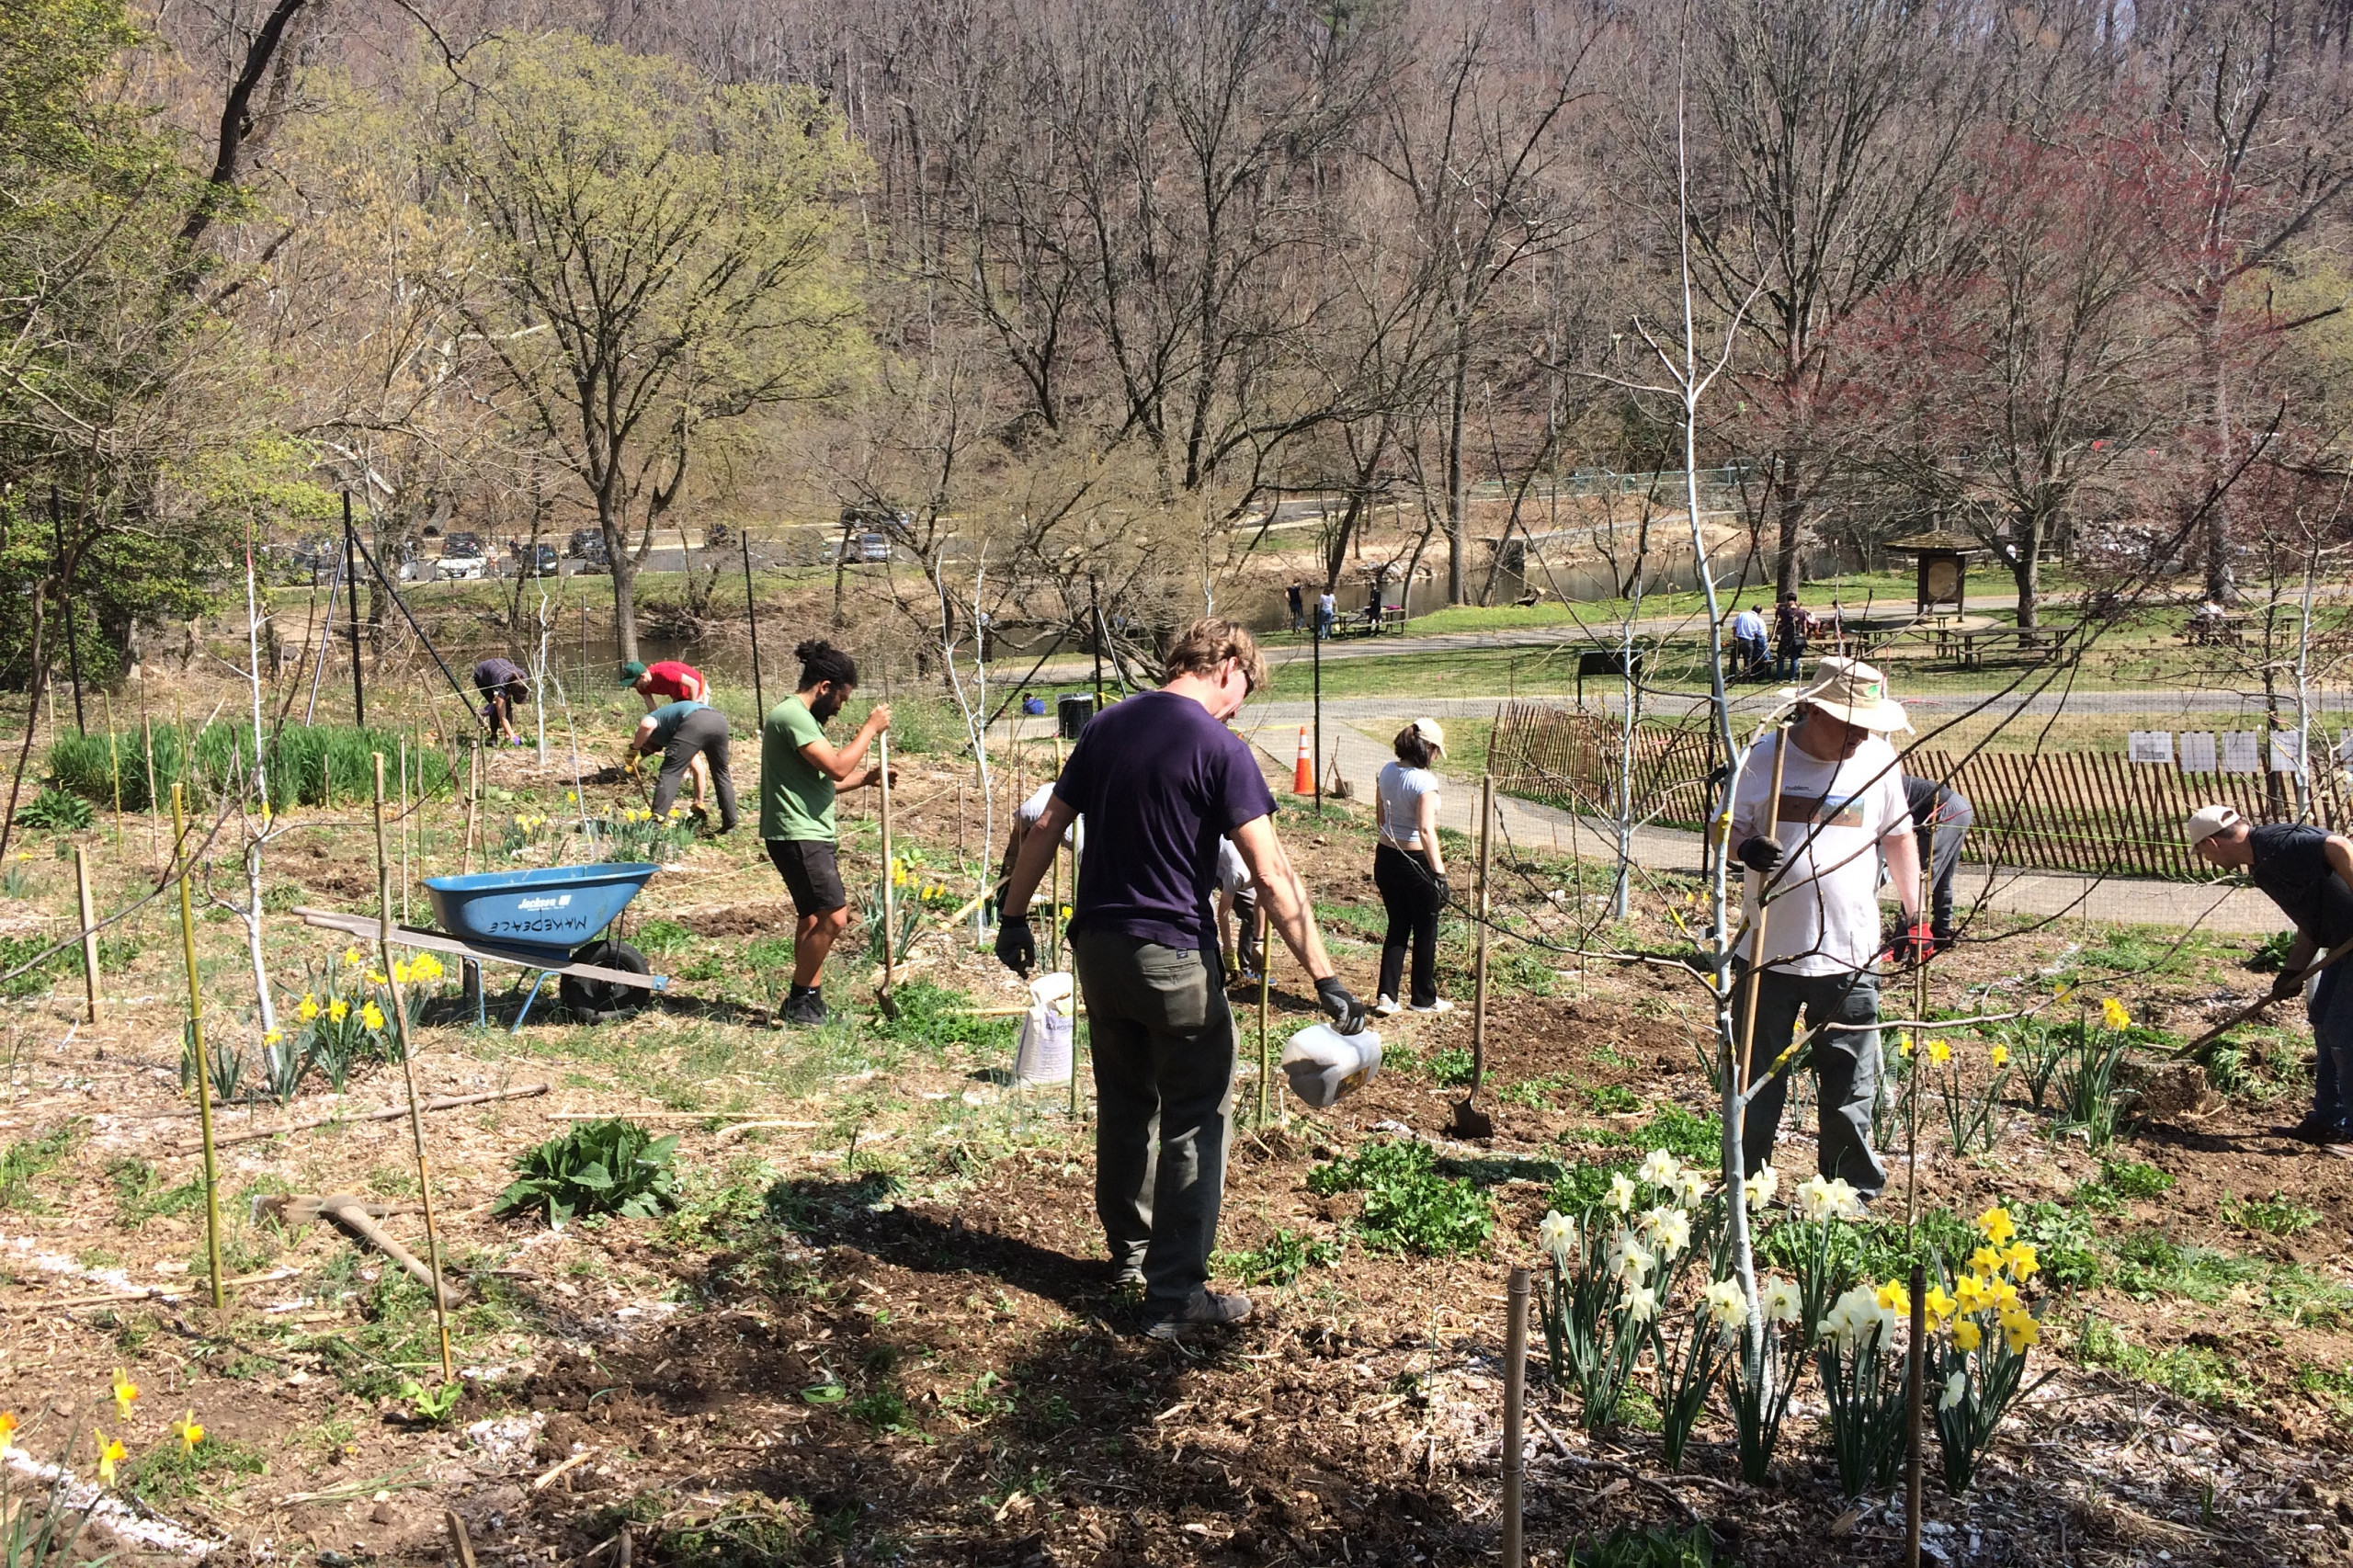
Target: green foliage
599,1168
53,811
17,951
1696,1140
1612,1099
140,1194
1285,1257
1886,1249
1584,1185
1408,1205
2192,1372
659,938
308,766
2277,1215
2131,1179
171,1469
2270,955
432,1407
1452,1066
23,1162
937,1017
1649,1547
2062,1242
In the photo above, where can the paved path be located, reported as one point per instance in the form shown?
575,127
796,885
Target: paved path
1362,739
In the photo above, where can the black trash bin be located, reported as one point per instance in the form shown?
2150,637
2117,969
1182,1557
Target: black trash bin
1072,710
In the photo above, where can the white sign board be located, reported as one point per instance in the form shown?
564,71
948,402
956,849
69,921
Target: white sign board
2153,746
2197,752
2240,753
2288,752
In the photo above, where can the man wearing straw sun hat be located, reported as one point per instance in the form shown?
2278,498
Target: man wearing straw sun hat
1812,854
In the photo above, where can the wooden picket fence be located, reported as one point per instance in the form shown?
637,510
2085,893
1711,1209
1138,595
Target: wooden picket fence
2092,812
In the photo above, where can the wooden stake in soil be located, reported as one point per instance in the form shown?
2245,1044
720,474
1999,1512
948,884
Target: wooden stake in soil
154,807
473,794
1919,1011
1265,1047
408,1074
89,932
1515,1396
114,767
1469,1120
890,868
404,866
196,1045
1772,835
1915,1378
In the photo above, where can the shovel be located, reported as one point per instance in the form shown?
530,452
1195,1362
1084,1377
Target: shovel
350,1212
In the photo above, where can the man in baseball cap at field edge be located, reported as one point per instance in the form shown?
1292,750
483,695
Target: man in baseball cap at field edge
2308,874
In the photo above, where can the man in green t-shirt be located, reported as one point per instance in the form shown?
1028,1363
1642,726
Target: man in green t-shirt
800,771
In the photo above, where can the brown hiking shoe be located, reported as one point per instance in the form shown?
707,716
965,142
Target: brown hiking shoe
1208,1309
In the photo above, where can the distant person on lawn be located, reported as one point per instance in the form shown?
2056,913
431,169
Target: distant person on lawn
1817,876
503,686
799,772
1162,781
667,680
1748,640
1791,626
692,739
2308,874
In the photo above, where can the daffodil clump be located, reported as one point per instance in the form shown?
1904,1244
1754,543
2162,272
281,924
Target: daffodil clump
913,882
342,1017
523,830
1610,1270
1862,1372
1980,1334
62,1527
635,834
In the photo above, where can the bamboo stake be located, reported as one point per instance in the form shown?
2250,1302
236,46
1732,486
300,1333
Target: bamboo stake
474,795
154,807
890,892
1915,1376
1515,1398
405,862
1265,1049
1757,932
114,767
196,1045
89,932
1478,959
1919,1011
408,1073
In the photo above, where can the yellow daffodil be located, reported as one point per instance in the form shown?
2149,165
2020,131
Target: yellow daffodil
308,1008
1903,1046
1895,1297
1966,1334
110,1453
1985,1261
1994,1225
2019,1259
1969,1294
428,967
373,1015
125,1393
338,1010
351,958
271,1037
375,977
1941,1052
2002,1293
1999,1056
571,797
1937,1305
7,1430
2112,1014
188,1432
2020,1330
2062,990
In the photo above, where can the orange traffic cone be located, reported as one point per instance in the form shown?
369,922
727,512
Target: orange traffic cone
1303,778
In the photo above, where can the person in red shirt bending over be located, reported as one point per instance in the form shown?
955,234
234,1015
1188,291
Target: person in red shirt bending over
666,681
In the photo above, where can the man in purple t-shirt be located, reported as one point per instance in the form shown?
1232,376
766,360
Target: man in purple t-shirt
1161,780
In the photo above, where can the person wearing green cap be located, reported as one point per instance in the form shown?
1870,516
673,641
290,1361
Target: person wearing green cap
666,681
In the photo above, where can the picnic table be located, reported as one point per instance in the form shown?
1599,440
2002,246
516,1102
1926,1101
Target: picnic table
1972,645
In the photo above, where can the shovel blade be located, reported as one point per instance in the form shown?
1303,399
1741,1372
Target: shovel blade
1471,1122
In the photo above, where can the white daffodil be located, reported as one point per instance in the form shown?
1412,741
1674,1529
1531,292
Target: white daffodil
1727,1308
1779,1301
1956,1390
1659,1168
1828,1199
1557,1234
1622,1194
1856,1316
1629,1263
1690,1187
1844,1201
1669,1231
1642,1303
1761,1187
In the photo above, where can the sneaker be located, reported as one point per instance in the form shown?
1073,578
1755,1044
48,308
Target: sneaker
1440,1005
1208,1309
807,1009
1385,1007
1125,1276
2312,1130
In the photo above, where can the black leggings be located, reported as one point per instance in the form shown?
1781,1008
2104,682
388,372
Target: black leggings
1410,893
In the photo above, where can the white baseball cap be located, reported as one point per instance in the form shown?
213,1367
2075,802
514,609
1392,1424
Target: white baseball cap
2207,821
1433,736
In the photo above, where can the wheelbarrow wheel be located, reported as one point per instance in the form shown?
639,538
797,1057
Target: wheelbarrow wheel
592,999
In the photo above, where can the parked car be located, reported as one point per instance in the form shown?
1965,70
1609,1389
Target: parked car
587,547
533,559
863,535
464,558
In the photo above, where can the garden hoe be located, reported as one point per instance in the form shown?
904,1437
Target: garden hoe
350,1212
2244,1014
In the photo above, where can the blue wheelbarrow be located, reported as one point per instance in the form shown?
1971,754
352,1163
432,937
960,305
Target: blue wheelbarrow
547,919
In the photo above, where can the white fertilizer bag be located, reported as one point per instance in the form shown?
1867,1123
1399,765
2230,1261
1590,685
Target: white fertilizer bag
1323,1064
1044,1054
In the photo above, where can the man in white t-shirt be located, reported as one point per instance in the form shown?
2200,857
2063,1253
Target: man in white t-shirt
1842,808
1237,911
1025,817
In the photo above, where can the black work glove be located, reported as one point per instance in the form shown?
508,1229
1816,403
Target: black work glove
1444,889
1762,855
1348,1013
1017,945
2286,983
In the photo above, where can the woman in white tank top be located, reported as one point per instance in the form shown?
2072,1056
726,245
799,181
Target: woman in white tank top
1409,869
